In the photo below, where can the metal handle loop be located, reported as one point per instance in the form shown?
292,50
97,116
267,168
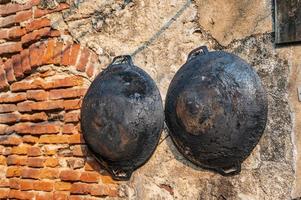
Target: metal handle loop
235,169
202,50
122,59
121,174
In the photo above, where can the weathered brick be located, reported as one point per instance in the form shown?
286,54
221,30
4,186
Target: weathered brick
4,34
38,95
40,106
90,177
30,173
25,62
49,173
49,52
80,188
83,61
16,62
14,7
25,184
57,55
16,32
43,185
10,140
51,162
62,186
7,21
10,47
67,93
16,194
36,52
9,70
23,16
3,80
104,190
80,150
36,117
35,162
4,192
34,151
4,183
61,195
53,139
76,139
73,116
69,129
8,118
75,163
20,150
3,128
37,83
42,12
14,171
4,108
37,24
92,65
12,97
69,81
6,151
72,104
30,139
14,183
2,162
36,128
92,165
74,54
69,175
16,160
65,54
35,35
44,195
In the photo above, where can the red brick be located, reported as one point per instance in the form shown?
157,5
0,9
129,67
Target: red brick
38,95
4,192
65,54
44,195
4,183
67,93
104,190
74,54
92,65
43,185
13,171
20,150
3,34
69,129
8,67
16,194
25,184
35,35
10,140
69,175
35,162
9,118
49,173
40,106
36,128
92,165
73,116
62,186
90,177
64,82
12,97
16,32
34,151
80,188
79,150
53,139
36,117
10,47
14,183
25,62
61,195
23,16
13,7
42,12
30,173
30,139
76,139
83,61
36,52
37,83
48,56
16,62
3,81
3,129
57,56
51,162
16,160
37,24
4,108
7,21
2,162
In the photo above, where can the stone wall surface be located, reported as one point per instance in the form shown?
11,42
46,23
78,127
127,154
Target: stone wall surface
51,51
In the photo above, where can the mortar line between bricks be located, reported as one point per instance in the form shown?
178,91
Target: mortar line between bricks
162,29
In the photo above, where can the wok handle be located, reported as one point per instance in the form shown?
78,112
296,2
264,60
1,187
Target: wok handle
121,174
202,50
122,59
230,171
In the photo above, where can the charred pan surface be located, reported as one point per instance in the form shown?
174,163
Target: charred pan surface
122,117
216,110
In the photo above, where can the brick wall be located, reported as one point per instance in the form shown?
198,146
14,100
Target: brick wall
42,81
